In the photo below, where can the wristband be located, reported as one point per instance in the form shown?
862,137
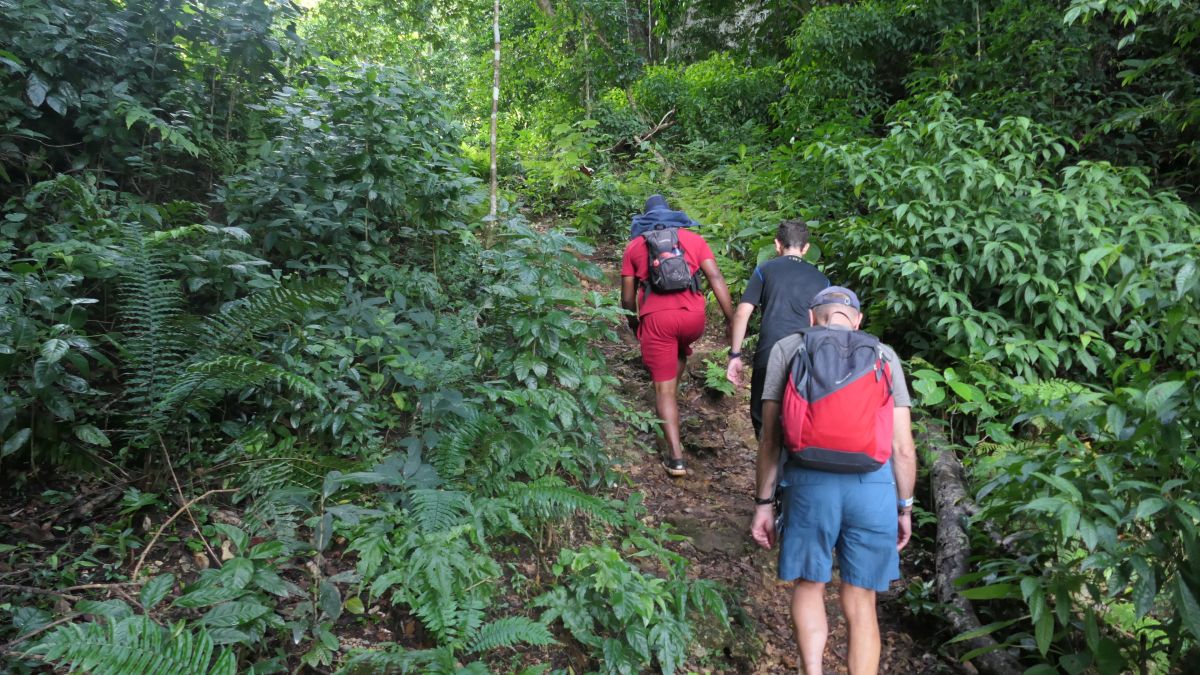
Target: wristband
735,355
763,502
904,503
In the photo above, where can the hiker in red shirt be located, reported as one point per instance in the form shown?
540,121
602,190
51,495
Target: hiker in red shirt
664,259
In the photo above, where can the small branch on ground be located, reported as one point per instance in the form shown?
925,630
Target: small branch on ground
66,592
138,567
8,646
626,143
179,488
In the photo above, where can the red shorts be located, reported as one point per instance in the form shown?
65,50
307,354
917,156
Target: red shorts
666,336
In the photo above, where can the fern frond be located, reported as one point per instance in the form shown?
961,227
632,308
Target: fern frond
150,308
444,581
509,631
437,510
550,497
278,514
1019,448
133,645
207,380
1050,390
239,321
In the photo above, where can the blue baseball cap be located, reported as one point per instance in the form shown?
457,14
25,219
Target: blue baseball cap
836,295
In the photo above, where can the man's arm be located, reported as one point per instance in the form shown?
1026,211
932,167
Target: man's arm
741,319
904,466
717,282
629,300
762,528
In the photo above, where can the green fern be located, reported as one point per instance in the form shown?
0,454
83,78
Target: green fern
444,581
551,497
134,645
509,631
241,320
150,312
161,380
207,380
438,510
1050,390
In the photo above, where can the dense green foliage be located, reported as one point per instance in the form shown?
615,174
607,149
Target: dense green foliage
225,255
1009,185
241,244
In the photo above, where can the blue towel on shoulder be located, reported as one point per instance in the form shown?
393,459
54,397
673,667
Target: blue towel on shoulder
656,217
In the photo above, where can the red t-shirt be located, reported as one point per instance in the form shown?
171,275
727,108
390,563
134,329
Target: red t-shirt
636,263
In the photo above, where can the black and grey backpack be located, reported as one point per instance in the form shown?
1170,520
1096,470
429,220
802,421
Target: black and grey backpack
669,271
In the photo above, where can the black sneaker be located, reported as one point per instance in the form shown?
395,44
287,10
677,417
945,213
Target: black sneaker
674,467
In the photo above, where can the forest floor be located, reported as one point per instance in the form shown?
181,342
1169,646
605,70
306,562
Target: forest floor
711,508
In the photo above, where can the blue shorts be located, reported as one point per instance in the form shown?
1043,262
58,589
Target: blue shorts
853,513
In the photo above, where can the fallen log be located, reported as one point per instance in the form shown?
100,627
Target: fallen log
954,508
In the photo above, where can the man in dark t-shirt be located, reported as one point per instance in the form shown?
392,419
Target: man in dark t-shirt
783,288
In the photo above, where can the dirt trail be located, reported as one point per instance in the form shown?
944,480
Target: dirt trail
712,507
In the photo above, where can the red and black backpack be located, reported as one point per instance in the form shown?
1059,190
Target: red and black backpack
837,407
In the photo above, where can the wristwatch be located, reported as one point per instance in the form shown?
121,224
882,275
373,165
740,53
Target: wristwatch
763,502
904,503
735,355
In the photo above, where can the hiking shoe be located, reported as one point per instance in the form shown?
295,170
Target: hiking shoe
674,467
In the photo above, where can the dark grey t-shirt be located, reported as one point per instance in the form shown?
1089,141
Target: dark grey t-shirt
782,289
785,349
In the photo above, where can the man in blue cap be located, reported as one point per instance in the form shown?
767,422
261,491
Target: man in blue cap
664,259
828,388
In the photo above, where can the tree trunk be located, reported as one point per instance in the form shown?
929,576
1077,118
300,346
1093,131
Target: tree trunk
495,104
953,549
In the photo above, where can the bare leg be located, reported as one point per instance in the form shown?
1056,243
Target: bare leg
858,604
668,414
812,628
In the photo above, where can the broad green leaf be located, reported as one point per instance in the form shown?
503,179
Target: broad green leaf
330,600
15,442
967,392
109,609
1157,397
354,605
1043,632
984,630
156,590
992,592
1145,588
1189,609
268,549
1108,658
1149,507
237,573
234,614
36,89
236,536
270,582
1184,278
90,434
204,597
54,349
